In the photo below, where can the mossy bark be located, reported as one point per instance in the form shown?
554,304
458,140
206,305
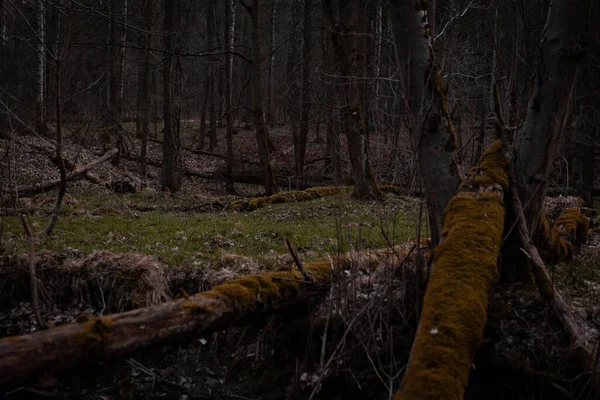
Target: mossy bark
233,303
465,268
557,243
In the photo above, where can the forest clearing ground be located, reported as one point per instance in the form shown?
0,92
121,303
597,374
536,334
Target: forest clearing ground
202,243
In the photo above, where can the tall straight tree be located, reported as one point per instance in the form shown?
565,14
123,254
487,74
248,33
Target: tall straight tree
260,126
229,42
432,135
212,74
306,102
144,84
170,179
562,49
343,35
271,63
41,67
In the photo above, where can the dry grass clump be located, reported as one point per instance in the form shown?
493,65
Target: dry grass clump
113,282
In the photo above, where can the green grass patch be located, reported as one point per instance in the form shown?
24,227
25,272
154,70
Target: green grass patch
108,221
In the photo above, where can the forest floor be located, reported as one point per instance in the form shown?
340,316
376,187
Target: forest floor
196,241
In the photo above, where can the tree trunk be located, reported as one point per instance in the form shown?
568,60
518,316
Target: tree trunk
204,113
432,135
115,80
292,98
585,138
262,133
271,64
169,179
345,50
144,92
123,42
41,69
62,187
480,142
465,267
562,47
212,76
119,335
229,42
3,38
306,98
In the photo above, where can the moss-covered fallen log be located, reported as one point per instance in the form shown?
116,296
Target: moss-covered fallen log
557,243
295,196
232,303
464,269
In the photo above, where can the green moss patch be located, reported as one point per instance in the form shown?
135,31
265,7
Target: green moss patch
187,239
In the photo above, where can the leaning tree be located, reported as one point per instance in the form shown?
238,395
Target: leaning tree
469,226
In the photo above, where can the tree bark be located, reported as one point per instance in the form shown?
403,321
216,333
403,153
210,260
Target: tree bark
229,42
562,47
306,87
115,106
203,114
62,185
272,55
262,133
41,68
432,135
169,179
346,55
212,76
583,168
119,335
144,82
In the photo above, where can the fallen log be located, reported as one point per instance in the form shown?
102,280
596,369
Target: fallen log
464,268
230,304
296,196
30,190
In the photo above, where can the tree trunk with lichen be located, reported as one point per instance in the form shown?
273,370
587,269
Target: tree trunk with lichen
343,39
432,135
465,262
232,303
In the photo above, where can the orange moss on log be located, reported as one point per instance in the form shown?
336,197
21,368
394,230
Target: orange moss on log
465,267
231,304
93,331
296,196
570,229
